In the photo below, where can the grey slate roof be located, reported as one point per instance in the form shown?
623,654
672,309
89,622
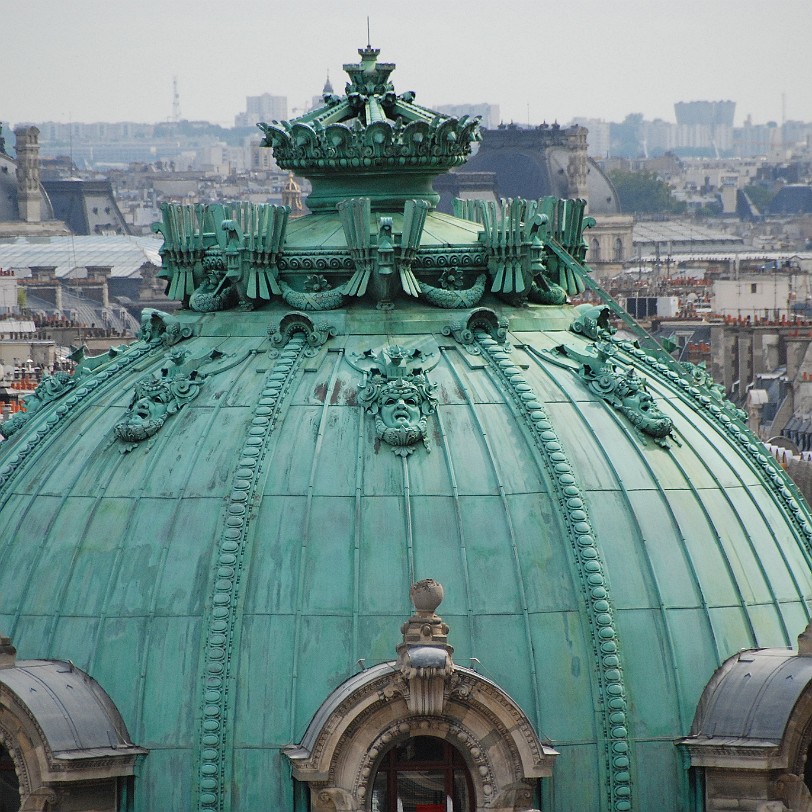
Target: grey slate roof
125,254
75,715
754,695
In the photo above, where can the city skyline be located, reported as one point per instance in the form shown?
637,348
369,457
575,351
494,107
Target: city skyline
87,62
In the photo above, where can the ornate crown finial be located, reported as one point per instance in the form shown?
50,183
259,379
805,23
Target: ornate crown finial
370,128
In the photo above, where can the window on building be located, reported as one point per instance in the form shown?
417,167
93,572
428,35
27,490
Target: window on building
753,287
423,774
595,250
9,785
618,254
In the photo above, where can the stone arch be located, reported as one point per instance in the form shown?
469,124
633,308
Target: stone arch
421,694
9,744
367,715
22,738
752,733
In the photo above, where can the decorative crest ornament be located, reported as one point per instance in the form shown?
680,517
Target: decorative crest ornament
482,318
397,392
702,379
158,327
158,396
370,131
593,322
620,387
50,388
292,323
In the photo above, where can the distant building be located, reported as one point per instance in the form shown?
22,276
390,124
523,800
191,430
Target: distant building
533,162
327,90
515,161
795,198
86,206
705,113
262,108
489,112
762,296
598,139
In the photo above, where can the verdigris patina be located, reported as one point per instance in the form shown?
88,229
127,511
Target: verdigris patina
162,394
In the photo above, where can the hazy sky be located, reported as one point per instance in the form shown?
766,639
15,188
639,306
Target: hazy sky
103,60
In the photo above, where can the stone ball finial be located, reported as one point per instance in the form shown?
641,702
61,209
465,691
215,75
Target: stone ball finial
426,595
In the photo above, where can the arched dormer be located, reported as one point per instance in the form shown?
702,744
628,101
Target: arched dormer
421,696
751,740
63,736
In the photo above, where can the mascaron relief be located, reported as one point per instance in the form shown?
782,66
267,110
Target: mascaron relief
621,387
399,395
162,394
156,398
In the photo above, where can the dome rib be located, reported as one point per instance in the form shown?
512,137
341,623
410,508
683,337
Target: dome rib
191,467
38,444
767,468
25,451
458,510
357,537
218,683
686,714
303,549
685,396
495,467
616,764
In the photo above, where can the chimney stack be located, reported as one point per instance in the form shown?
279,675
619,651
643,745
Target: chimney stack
28,196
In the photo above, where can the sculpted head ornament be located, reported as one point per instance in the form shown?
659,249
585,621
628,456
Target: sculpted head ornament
154,400
399,395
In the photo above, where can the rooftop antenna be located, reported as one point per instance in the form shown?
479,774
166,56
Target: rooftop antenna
369,38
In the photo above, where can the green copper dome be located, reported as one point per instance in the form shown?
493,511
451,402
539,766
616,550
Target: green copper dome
221,521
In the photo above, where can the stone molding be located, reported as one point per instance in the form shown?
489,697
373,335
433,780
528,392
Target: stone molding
342,750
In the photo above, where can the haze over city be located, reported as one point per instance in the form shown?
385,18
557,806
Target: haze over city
99,61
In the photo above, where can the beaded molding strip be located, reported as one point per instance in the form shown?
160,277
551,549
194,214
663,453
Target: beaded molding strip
222,624
590,571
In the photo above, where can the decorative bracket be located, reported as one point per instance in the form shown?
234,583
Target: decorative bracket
593,322
481,319
158,327
293,323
